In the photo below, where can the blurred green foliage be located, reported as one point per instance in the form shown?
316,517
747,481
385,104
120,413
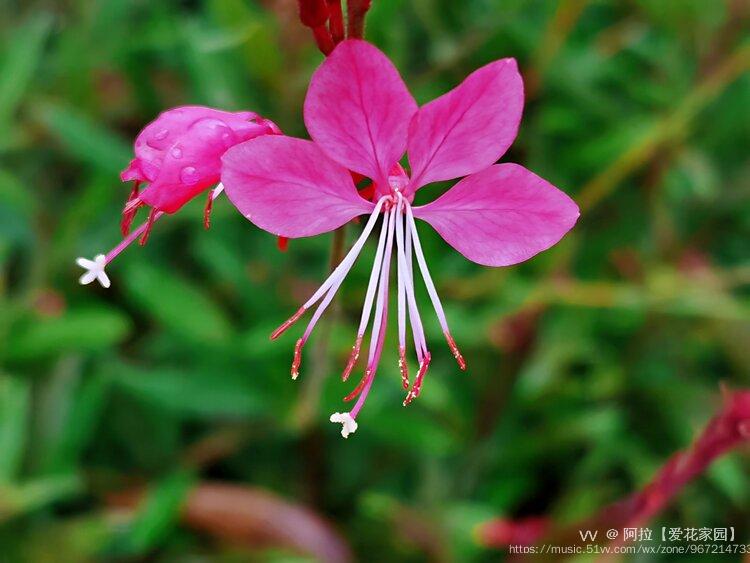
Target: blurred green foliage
588,365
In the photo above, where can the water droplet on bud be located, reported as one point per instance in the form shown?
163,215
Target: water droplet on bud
189,176
177,152
161,135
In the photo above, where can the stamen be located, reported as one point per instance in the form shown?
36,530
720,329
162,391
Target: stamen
345,265
297,358
431,288
353,357
401,299
360,386
403,366
207,211
369,296
287,323
338,274
420,342
379,322
132,204
327,301
128,213
149,225
417,387
455,351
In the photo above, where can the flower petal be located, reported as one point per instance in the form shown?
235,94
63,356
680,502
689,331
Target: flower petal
158,136
358,109
469,128
193,162
289,187
501,216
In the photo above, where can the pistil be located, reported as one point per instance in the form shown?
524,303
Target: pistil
141,232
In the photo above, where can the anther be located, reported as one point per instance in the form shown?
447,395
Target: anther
353,357
403,366
287,323
297,360
207,210
417,387
361,385
454,350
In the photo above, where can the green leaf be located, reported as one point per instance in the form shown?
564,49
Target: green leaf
176,303
80,423
81,330
159,514
23,55
86,139
191,392
35,494
15,397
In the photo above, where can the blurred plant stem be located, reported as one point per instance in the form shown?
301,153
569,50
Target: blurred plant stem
668,128
567,14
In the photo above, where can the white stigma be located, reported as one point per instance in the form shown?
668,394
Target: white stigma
94,270
348,424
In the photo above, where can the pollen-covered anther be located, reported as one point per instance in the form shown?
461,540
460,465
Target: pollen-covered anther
297,360
207,210
287,323
361,385
403,366
353,357
455,351
417,387
348,424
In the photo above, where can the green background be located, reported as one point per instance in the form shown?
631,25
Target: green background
588,366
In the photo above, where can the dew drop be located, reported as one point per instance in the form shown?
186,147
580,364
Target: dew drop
161,135
189,176
177,152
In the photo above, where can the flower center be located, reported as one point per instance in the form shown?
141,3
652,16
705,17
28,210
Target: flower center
398,182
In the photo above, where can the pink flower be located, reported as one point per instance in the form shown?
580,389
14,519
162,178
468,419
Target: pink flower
362,118
178,156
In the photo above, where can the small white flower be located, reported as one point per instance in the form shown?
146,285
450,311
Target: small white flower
94,270
348,424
